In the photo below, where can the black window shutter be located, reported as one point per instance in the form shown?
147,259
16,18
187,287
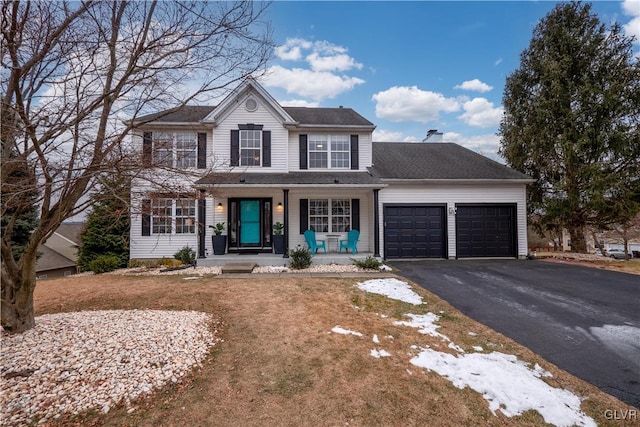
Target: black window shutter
354,152
146,217
303,152
304,215
235,147
266,148
202,150
355,214
147,147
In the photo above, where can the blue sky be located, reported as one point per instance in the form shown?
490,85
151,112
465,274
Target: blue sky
412,66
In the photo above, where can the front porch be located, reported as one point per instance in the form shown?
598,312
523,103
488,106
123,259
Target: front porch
276,260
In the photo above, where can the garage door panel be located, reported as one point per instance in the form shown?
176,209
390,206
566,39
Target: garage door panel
485,231
414,232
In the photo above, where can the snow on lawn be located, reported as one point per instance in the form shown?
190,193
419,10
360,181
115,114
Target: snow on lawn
425,324
339,330
392,288
508,384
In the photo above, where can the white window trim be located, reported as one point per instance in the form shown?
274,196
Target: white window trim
329,151
240,148
172,218
174,149
330,223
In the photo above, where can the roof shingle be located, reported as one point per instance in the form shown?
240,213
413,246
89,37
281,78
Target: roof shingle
441,161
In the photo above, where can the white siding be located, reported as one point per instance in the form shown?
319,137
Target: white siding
452,194
262,116
365,244
364,149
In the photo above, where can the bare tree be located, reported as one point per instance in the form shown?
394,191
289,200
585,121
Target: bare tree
75,78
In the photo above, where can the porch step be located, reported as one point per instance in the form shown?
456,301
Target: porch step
238,267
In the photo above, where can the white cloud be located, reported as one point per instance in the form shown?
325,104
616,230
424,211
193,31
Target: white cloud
313,84
403,104
632,28
299,103
383,135
480,112
291,50
342,62
475,85
487,145
321,78
498,62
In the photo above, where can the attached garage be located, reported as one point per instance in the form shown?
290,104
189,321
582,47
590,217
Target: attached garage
486,231
415,231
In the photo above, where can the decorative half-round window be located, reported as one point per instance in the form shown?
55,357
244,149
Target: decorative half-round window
251,104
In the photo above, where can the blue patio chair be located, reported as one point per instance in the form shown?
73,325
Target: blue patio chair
314,245
351,242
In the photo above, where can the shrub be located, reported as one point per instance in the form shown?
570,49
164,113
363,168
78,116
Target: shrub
186,255
369,263
300,258
104,263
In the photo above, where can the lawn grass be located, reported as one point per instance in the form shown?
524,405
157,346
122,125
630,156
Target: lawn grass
280,365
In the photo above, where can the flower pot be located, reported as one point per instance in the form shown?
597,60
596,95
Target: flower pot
219,244
278,244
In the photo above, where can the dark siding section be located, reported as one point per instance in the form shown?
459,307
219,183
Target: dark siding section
355,214
266,148
354,153
146,217
303,152
147,148
235,148
304,215
202,150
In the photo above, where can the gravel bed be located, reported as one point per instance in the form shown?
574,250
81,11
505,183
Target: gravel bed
73,362
202,271
583,257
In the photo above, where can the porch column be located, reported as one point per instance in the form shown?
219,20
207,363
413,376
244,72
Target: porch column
376,224
286,223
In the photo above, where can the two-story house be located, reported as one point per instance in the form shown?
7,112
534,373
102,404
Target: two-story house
250,163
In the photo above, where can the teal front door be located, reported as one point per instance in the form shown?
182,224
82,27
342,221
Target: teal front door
250,223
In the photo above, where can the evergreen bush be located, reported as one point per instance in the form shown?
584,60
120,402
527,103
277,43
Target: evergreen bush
104,263
300,258
186,255
369,263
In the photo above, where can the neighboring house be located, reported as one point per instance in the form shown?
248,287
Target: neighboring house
257,163
58,256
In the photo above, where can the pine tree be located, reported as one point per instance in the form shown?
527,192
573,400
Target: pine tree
107,229
571,122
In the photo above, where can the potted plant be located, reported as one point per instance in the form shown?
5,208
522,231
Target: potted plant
218,241
278,238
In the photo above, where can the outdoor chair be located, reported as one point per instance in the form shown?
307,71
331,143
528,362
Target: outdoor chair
314,245
351,242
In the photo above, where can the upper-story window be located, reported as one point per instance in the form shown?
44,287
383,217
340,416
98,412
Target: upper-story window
175,149
329,151
250,147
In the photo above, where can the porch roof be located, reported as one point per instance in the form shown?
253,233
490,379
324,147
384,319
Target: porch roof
352,179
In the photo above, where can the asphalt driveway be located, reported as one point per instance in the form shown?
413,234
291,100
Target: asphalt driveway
585,320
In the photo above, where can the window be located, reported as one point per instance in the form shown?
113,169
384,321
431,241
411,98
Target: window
336,220
250,147
166,212
161,213
329,151
175,149
185,216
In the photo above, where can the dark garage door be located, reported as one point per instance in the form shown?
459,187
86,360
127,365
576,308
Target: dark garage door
414,232
485,231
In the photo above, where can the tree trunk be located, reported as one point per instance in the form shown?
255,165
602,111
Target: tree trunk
578,242
17,299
